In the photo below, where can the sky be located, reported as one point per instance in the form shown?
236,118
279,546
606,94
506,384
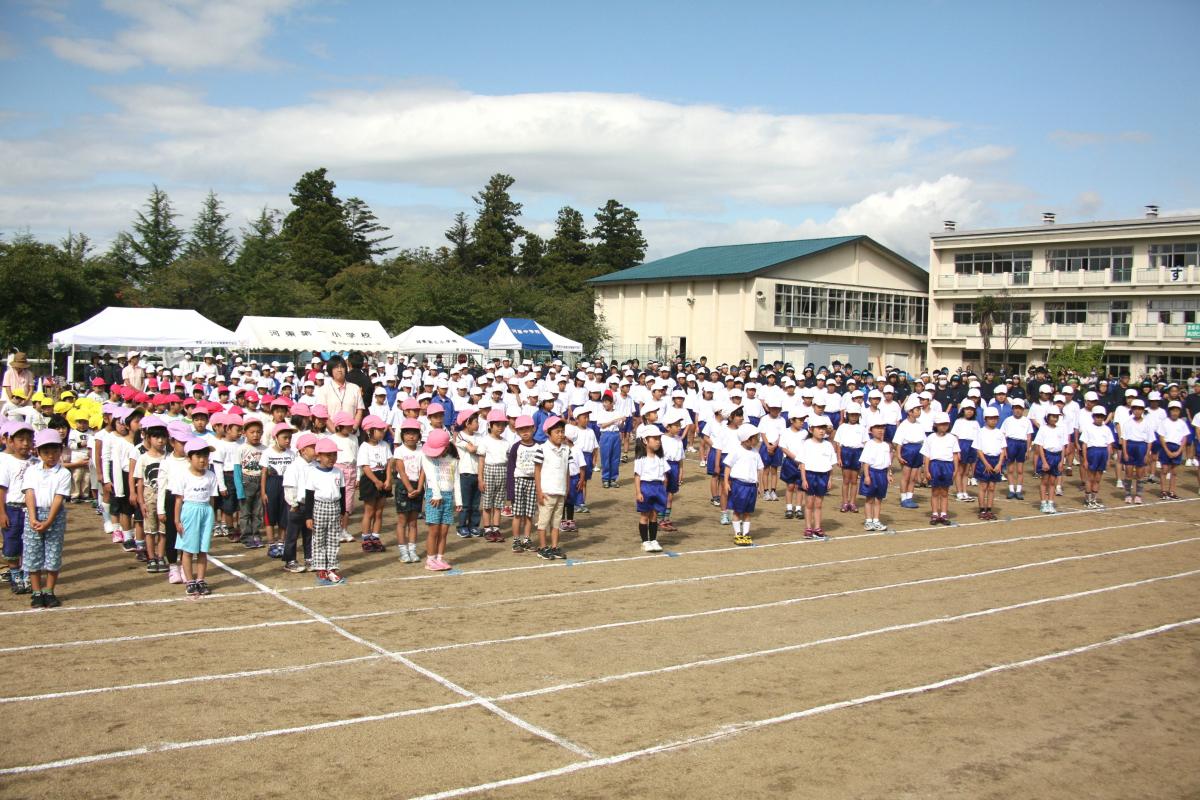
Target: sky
718,122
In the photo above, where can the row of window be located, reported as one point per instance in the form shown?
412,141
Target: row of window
1113,312
1077,259
849,310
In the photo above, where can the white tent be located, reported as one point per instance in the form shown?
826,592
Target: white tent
311,333
159,328
432,339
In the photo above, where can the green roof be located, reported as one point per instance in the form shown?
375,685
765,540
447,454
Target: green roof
736,260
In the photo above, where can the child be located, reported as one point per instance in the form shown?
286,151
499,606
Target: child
146,476
194,517
742,467
908,441
275,463
673,452
790,442
1097,441
1172,436
965,429
991,448
172,468
522,491
770,428
1136,432
293,490
817,458
46,487
346,442
466,443
876,458
117,449
610,421
410,488
1018,433
941,454
576,480
493,469
848,442
443,496
650,478
79,442
324,511
587,445
551,474
375,486
229,448
1049,443
14,462
247,473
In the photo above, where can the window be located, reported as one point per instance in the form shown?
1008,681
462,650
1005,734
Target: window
1118,318
1093,259
995,263
849,310
1176,311
1174,256
1115,364
964,313
1019,316
1066,313
1175,367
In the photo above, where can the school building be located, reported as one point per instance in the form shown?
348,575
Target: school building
844,298
1133,284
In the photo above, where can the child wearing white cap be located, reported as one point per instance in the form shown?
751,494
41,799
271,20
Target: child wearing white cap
1097,440
1051,440
1172,436
941,452
1018,434
991,451
742,469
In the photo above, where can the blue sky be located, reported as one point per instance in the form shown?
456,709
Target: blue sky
718,122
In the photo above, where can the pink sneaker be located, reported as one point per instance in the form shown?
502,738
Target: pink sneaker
174,574
118,537
443,564
432,564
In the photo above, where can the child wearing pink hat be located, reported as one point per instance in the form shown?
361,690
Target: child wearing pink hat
522,489
492,455
196,491
466,442
409,485
324,512
375,481
443,495
345,440
46,486
293,520
14,462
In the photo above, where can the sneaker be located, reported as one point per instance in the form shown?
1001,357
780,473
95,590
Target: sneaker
174,574
799,513
715,502
788,514
853,508
37,601
506,510
22,585
235,535
1137,500
516,546
646,547
819,533
724,517
909,503
528,545
192,589
868,525
463,533
151,565
50,600
334,577
1053,508
142,556
345,536
1128,499
1020,495
808,533
128,545
742,540
293,566
118,537
1012,495
583,509
1058,491
558,553
879,526
202,588
655,547
545,553
431,564
934,519
1120,483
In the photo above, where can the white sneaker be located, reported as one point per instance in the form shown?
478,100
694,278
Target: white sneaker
1058,491
346,536
655,547
646,548
1120,483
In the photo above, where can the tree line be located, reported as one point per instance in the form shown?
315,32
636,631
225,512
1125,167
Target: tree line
326,257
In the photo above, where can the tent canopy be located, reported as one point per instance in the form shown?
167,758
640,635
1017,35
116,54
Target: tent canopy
514,333
432,339
311,333
146,327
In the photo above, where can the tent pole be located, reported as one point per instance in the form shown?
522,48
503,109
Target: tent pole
71,366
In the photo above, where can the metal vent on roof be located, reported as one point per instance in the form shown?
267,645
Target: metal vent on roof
1048,217
1151,212
950,225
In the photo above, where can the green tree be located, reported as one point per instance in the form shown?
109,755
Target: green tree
210,236
568,255
316,238
266,283
365,229
496,229
533,250
1080,359
156,239
459,236
619,242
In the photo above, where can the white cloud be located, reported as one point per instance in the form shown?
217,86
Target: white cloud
179,35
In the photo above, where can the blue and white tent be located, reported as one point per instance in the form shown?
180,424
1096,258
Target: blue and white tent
513,333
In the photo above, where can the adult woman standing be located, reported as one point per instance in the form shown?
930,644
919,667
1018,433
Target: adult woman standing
338,394
17,376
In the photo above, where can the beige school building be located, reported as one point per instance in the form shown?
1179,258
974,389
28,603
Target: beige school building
845,298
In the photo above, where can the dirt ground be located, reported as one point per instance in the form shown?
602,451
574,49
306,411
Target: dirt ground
1037,656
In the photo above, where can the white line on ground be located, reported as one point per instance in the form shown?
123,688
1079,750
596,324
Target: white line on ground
70,762
739,574
123,604
445,682
146,636
789,601
728,731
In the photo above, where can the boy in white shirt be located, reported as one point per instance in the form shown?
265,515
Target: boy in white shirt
1018,434
742,468
1137,434
790,442
1049,443
876,458
1172,436
991,448
552,471
45,488
941,453
817,459
1097,440
770,427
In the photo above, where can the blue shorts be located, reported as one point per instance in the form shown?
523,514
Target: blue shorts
441,514
770,460
574,496
589,465
1163,458
1137,454
710,465
818,483
1018,449
789,473
835,417
889,433
672,477
966,451
654,498
879,483
14,533
850,458
981,473
911,455
1054,460
1097,459
742,496
941,473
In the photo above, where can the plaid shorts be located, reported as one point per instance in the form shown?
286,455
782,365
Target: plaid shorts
524,498
327,529
494,481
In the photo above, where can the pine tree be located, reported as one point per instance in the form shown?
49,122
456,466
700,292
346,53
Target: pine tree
459,236
316,238
364,226
496,228
620,243
210,236
156,239
533,250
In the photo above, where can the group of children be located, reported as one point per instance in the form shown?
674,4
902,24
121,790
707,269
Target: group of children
168,474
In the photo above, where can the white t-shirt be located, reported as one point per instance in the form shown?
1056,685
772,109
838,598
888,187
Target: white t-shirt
12,472
817,456
1173,431
45,484
940,448
556,465
990,441
1092,435
374,456
495,451
771,428
1019,429
80,444
791,440
672,449
195,488
1133,430
325,484
965,429
908,432
650,469
850,435
743,465
410,462
293,481
525,461
876,455
1052,439
347,448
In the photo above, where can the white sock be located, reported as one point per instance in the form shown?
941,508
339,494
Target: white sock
1020,488
789,507
746,528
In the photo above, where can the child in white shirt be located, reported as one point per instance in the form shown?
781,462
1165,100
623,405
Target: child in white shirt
374,481
790,442
848,442
1049,443
1097,440
1172,436
650,473
742,467
991,449
941,454
1018,435
876,458
817,460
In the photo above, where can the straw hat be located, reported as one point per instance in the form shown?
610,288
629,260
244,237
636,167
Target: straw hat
18,361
